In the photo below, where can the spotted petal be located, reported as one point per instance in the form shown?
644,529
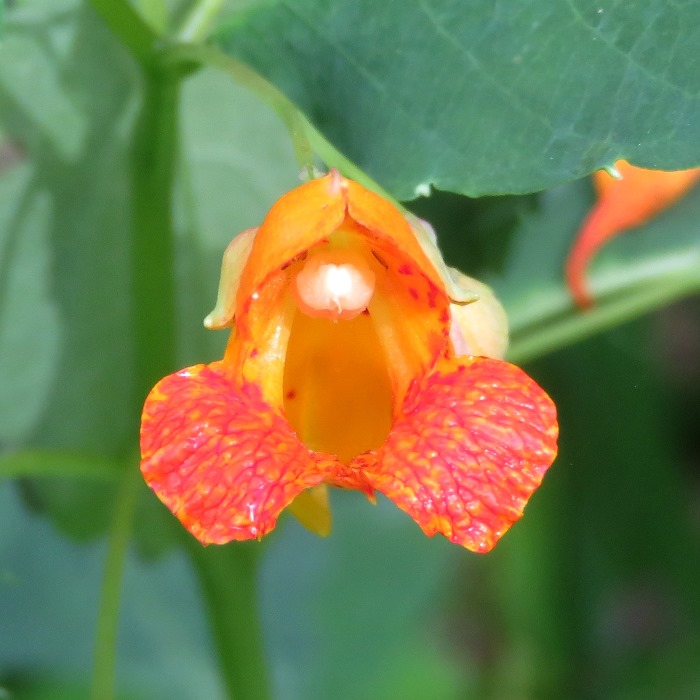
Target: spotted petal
225,462
468,450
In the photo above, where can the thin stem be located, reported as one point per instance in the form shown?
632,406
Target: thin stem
152,248
199,20
552,333
155,13
228,576
154,324
129,26
306,139
104,666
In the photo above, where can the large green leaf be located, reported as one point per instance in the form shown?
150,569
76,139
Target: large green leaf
67,235
483,97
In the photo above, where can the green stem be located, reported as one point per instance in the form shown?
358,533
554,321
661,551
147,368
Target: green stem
306,139
152,245
129,26
555,332
154,324
104,666
155,13
228,576
199,20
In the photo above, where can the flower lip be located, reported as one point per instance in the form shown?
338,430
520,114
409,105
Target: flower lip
335,284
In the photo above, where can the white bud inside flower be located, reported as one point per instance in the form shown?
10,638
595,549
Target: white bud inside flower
336,284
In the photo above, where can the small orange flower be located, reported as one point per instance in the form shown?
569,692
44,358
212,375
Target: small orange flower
626,201
342,368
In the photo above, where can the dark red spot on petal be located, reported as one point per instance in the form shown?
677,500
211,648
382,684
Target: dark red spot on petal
380,259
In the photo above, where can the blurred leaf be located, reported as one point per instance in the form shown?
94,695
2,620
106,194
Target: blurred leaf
49,596
339,610
29,319
67,91
78,508
481,98
65,96
57,463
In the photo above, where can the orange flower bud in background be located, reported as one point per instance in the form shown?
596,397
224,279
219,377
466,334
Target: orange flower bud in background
623,202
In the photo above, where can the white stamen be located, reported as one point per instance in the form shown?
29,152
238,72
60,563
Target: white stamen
336,284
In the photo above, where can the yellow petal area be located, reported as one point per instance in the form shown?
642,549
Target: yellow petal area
312,509
235,257
425,235
479,328
337,391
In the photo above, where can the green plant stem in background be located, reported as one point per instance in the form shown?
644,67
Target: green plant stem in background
307,141
228,577
199,20
152,242
551,332
104,667
129,26
155,12
153,310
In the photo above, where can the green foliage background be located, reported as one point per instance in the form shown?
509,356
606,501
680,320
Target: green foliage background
137,139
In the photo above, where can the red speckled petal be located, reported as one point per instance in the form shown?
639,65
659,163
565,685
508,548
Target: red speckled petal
224,462
469,450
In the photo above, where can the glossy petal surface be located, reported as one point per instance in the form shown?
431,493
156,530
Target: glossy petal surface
469,450
224,462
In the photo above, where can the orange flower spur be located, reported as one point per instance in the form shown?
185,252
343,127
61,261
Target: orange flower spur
354,362
628,200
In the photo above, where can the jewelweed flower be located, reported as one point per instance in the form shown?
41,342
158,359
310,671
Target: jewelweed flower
626,199
353,362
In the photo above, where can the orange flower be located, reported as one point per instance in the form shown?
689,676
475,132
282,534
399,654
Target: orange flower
623,203
341,369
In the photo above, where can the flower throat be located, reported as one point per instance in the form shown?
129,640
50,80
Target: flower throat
337,391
